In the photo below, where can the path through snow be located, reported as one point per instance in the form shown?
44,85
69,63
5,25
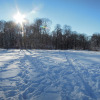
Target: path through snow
49,75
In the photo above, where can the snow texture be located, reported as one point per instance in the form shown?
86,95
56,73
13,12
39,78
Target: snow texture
49,75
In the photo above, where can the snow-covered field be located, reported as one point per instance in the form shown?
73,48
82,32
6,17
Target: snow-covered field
49,75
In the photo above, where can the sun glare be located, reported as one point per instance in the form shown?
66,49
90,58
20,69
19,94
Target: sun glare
19,18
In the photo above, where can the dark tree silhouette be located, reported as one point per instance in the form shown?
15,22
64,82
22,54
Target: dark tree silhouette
38,36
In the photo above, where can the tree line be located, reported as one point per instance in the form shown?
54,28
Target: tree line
39,36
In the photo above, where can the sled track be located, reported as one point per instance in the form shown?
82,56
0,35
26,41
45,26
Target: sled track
88,88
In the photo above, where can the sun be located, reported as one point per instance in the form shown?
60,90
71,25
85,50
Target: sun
19,18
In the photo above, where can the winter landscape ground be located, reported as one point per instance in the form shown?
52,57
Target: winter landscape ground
49,75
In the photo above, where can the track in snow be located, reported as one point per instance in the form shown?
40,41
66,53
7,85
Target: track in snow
52,75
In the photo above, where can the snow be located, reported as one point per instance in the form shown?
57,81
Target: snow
49,75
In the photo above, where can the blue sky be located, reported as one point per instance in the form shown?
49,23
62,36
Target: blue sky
82,15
